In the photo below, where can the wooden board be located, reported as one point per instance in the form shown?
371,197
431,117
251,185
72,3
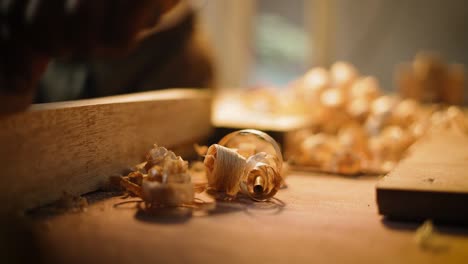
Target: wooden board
325,219
75,146
230,112
432,183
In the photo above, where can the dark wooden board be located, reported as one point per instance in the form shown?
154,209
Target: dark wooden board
75,146
432,183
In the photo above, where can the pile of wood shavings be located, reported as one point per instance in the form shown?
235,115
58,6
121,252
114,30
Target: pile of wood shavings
356,128
164,180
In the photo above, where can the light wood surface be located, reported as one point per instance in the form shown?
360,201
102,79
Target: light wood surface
75,146
229,111
432,183
325,219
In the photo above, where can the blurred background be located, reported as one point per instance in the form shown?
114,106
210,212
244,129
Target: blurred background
274,41
271,43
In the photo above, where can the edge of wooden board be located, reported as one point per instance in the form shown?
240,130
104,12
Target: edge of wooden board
75,146
160,95
421,205
431,183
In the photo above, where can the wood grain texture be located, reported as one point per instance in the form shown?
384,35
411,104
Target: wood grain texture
75,146
326,219
432,183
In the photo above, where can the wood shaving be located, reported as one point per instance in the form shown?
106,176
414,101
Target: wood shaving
427,238
163,180
224,169
130,187
200,150
248,162
424,233
199,179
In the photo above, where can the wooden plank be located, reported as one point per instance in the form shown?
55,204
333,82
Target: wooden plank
75,146
230,112
326,219
432,183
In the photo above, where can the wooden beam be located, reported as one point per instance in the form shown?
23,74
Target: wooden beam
75,146
432,183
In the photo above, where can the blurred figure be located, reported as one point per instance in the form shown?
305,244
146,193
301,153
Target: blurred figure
103,48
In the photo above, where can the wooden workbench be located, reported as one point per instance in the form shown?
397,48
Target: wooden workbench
319,218
325,219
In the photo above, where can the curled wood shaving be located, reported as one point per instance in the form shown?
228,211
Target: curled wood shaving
428,238
224,169
424,233
130,187
163,180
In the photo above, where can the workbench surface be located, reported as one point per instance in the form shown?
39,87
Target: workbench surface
324,219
